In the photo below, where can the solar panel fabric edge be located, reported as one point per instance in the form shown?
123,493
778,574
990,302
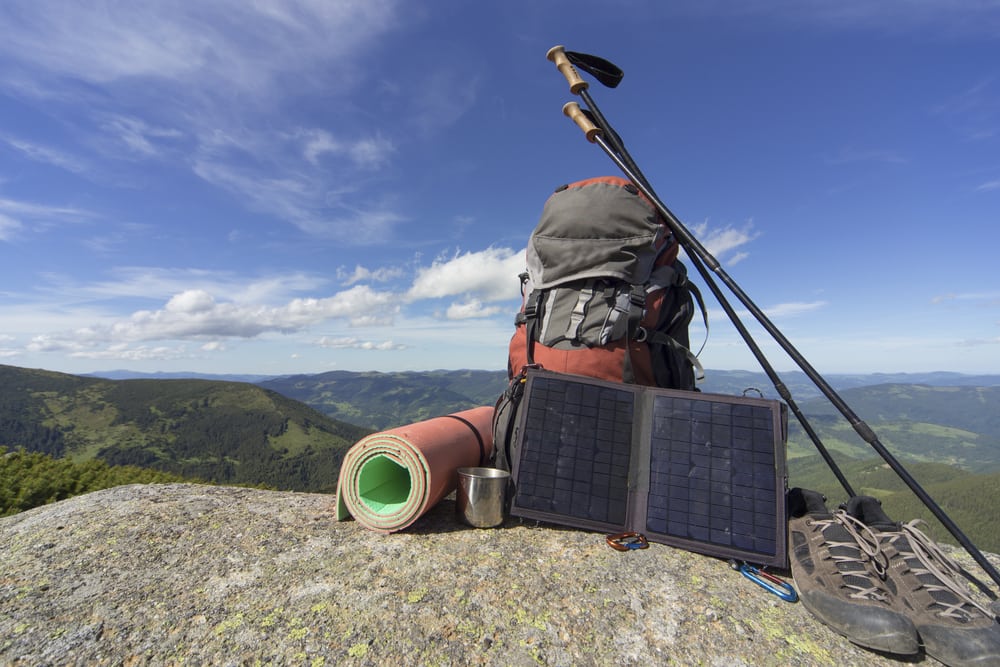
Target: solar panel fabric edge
703,472
714,478
574,445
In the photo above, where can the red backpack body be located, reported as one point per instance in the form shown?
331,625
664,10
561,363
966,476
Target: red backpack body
604,294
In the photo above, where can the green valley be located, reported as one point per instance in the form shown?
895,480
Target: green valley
226,432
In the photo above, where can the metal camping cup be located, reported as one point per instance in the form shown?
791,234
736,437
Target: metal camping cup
481,496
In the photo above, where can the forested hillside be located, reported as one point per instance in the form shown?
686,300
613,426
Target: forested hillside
385,400
30,479
969,499
233,432
957,425
228,432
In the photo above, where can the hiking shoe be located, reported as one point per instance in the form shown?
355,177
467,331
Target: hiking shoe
955,627
836,563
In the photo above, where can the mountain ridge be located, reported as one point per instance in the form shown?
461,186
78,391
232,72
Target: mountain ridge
127,421
218,431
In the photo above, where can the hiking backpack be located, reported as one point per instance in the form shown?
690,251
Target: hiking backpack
604,296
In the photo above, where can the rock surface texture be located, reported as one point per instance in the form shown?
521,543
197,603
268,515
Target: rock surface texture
172,574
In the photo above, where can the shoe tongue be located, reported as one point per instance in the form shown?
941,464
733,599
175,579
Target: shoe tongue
803,501
869,511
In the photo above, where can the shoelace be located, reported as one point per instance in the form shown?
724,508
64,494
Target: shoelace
934,562
864,540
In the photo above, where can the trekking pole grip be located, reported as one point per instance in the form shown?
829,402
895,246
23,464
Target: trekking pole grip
573,110
557,54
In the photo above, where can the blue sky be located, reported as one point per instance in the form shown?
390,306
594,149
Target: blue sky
300,186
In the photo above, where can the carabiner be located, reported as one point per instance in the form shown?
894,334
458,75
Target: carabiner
627,541
769,582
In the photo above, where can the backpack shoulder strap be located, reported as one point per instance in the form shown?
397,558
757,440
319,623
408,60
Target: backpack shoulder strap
704,318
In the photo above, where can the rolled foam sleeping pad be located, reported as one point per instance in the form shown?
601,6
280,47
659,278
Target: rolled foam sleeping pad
390,479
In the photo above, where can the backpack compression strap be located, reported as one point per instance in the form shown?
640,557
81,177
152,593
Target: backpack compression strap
637,308
659,337
530,318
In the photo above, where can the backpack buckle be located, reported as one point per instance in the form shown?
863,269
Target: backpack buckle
530,310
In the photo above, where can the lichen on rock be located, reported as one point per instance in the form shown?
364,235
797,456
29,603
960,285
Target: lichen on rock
175,573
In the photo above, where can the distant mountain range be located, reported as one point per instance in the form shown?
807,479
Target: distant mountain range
385,400
380,400
719,381
164,375
959,426
291,432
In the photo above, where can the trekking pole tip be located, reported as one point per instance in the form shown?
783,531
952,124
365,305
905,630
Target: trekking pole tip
557,54
573,110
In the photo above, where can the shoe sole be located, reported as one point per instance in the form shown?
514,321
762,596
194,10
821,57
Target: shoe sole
871,627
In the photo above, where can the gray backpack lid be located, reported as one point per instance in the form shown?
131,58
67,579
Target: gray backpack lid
592,229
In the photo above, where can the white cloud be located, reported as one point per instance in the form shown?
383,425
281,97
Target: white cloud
779,311
301,199
211,307
53,343
319,142
138,136
15,214
8,227
161,283
470,310
988,186
224,44
356,344
978,342
775,312
191,302
361,274
125,352
7,351
371,153
367,153
198,86
727,239
195,314
737,258
793,309
490,275
989,298
47,155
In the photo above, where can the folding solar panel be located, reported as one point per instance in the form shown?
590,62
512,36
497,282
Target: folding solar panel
705,472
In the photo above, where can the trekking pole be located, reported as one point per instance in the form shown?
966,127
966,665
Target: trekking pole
693,247
595,124
597,129
596,135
